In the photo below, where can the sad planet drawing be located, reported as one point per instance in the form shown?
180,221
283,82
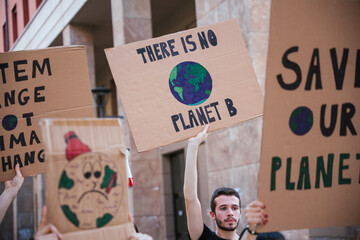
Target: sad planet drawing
89,188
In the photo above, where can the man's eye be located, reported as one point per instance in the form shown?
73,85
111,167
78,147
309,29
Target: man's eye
222,209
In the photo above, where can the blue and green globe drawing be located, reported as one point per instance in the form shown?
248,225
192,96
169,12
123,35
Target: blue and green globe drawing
301,121
190,83
9,122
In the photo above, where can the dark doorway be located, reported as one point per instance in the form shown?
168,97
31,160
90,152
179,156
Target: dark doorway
177,165
172,16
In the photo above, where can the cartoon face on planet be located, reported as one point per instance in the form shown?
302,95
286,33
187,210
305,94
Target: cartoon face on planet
89,190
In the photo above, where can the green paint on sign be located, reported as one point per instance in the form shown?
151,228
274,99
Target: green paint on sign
104,220
70,215
107,177
179,91
173,76
65,182
199,73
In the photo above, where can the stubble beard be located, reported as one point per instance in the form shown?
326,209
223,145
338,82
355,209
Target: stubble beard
228,229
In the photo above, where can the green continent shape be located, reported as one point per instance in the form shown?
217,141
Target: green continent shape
65,182
296,112
107,177
199,74
294,115
173,76
179,91
310,119
70,215
104,220
200,102
12,121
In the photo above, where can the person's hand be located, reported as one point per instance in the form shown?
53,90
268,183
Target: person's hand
46,229
200,137
255,214
140,236
14,185
137,236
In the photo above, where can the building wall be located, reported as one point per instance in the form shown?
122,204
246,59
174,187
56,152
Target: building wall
20,9
20,219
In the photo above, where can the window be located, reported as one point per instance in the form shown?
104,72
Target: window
38,2
26,11
14,23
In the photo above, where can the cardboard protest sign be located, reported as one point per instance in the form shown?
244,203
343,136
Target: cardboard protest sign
51,82
86,182
173,85
309,170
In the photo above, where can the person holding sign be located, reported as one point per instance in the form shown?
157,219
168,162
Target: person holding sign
225,204
11,189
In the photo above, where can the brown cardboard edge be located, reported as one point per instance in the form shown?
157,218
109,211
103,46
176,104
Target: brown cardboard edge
119,230
56,48
81,121
233,20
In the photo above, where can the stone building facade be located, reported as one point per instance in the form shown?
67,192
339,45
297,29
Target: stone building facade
229,157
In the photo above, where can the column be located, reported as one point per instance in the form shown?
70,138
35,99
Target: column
82,35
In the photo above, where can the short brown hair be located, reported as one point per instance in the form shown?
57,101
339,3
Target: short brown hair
223,191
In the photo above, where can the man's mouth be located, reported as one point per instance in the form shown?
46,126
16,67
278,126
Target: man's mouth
230,220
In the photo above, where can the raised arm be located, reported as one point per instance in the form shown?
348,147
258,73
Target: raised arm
11,189
193,207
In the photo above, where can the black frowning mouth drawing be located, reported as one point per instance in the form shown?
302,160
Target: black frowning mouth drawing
92,191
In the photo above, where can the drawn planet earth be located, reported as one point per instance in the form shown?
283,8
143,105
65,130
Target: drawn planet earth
301,121
190,83
9,122
89,190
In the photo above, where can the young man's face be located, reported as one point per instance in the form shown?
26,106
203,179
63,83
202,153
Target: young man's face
227,212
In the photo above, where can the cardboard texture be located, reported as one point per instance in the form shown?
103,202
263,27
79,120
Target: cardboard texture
86,182
118,232
50,236
35,84
309,170
173,85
